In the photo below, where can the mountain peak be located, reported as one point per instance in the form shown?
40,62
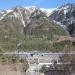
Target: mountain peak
65,15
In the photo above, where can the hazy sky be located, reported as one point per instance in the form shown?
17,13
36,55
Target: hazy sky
7,4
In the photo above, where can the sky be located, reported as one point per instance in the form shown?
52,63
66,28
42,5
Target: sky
8,4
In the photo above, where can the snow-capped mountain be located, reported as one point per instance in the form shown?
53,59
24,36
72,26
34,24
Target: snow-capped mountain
24,13
28,10
28,18
65,15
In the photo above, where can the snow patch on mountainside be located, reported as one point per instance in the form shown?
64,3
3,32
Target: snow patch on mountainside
31,9
2,16
59,23
8,11
65,9
20,16
48,11
22,20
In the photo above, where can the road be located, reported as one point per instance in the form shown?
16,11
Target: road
34,70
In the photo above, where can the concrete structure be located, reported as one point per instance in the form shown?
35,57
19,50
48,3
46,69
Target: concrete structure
38,59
